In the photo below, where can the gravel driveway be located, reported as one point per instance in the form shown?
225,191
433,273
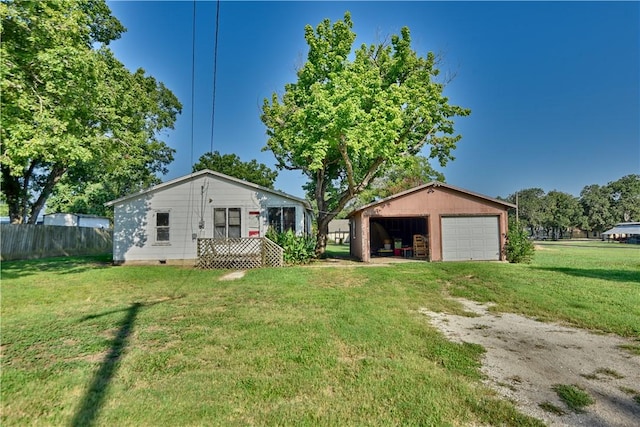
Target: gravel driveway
525,358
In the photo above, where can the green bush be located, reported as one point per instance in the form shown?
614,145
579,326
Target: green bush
519,249
297,249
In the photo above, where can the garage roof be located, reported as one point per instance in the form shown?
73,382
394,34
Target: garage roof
625,228
435,184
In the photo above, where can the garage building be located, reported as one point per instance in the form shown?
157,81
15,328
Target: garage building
435,222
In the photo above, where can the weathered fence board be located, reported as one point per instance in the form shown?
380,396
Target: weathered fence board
28,241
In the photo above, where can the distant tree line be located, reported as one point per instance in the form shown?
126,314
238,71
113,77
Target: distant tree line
598,208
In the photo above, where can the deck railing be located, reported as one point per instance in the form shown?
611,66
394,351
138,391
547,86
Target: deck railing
239,253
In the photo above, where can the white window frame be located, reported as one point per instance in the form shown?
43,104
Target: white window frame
280,222
226,224
162,228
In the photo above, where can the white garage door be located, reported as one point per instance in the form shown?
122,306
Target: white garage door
470,238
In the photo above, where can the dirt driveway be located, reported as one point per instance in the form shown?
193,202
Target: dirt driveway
525,359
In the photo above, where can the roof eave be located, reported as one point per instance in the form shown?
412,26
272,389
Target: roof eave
431,184
207,172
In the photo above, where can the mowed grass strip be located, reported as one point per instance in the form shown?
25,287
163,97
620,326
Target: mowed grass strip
591,285
84,342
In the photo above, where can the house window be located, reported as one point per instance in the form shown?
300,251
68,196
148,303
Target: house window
282,219
227,223
233,228
162,227
307,223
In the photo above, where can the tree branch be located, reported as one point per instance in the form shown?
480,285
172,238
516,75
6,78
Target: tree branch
349,167
57,172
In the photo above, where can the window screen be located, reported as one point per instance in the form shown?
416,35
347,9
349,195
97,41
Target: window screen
234,223
275,219
282,219
162,227
227,223
288,219
220,223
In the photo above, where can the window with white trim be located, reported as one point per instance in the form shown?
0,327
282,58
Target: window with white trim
227,223
282,219
162,227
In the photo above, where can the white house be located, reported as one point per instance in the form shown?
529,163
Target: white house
627,232
76,220
162,224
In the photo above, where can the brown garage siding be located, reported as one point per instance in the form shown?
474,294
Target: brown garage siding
433,200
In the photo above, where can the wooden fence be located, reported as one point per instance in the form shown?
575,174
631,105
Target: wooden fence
239,253
28,241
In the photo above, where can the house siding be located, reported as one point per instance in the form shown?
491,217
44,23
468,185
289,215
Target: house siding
76,220
189,202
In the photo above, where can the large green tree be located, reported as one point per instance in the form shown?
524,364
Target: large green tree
71,112
352,115
230,164
415,171
596,205
530,208
561,211
625,198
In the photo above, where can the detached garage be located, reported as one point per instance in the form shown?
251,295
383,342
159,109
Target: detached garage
435,222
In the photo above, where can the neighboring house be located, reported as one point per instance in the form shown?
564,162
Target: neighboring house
7,220
339,230
437,221
162,224
77,220
626,232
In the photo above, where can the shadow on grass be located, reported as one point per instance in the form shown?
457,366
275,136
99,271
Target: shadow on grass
93,400
61,265
594,273
335,251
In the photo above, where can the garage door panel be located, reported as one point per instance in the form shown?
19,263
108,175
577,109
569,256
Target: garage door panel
470,238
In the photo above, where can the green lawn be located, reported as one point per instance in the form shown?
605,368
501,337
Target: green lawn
86,343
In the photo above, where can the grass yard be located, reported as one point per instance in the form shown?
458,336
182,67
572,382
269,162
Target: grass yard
87,343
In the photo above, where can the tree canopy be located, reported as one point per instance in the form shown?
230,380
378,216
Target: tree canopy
352,115
414,172
597,209
230,164
72,113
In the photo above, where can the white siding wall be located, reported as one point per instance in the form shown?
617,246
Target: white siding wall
65,219
188,202
74,220
93,222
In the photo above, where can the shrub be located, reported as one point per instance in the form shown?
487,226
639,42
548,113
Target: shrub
297,249
518,249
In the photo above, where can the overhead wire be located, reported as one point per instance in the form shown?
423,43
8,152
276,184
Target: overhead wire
215,73
189,223
193,76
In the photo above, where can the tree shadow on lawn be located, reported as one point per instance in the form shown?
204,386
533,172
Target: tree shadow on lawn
93,400
61,265
596,273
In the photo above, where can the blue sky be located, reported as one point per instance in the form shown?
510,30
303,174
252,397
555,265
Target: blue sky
553,86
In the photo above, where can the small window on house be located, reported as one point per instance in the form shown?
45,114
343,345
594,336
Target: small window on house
275,219
282,219
234,223
162,227
288,219
220,223
307,222
227,223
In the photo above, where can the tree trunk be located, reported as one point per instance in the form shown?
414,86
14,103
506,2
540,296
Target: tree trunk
55,175
13,192
323,232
